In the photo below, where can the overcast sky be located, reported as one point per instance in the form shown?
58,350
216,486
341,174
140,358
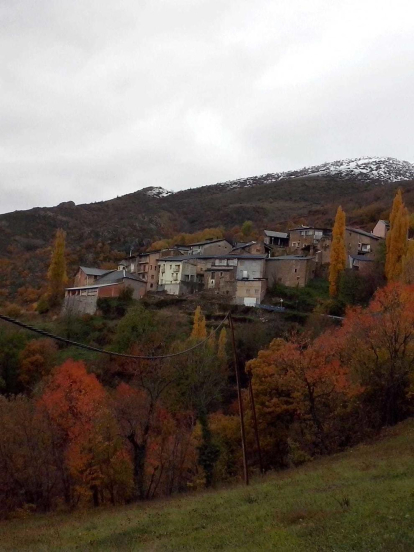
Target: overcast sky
99,98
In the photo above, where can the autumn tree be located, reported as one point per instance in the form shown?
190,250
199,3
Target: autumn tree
36,361
29,470
396,240
199,386
76,404
299,386
57,276
199,325
338,252
378,348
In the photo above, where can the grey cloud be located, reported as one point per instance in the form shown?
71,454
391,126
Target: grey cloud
101,98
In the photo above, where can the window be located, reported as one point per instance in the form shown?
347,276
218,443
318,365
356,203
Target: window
213,276
177,268
256,291
296,269
221,274
152,276
151,285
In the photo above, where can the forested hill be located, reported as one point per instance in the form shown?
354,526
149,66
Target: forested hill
152,213
95,231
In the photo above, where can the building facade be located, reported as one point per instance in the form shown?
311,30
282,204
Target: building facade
290,270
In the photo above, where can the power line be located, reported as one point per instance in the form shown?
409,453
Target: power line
103,351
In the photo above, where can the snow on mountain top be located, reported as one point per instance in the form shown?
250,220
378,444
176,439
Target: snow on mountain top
380,170
157,191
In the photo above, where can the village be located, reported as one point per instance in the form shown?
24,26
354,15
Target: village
240,272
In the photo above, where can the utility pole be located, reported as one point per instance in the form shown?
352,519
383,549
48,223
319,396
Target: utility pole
256,429
239,395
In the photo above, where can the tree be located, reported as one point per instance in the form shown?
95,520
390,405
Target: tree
396,238
199,325
73,401
57,270
36,361
136,325
299,387
11,345
338,252
247,228
378,347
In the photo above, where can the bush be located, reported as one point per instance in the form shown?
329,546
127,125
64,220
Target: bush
43,306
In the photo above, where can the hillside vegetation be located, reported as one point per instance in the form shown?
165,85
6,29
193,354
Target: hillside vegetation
361,501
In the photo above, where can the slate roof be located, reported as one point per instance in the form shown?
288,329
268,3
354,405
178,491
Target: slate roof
94,271
207,242
271,234
290,258
116,275
227,256
363,233
361,258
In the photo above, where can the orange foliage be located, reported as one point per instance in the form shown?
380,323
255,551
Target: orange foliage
378,346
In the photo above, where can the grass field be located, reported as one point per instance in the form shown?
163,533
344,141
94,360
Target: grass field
362,500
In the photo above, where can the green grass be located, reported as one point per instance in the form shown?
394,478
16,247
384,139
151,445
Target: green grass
361,500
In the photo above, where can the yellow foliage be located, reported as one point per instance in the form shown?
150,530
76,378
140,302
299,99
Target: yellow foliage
338,252
57,270
199,325
396,239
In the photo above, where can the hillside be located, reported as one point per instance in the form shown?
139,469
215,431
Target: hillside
359,501
269,199
364,187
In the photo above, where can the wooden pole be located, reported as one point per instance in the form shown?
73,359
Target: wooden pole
239,395
256,429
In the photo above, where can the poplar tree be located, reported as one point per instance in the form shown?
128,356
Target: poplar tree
199,325
338,252
396,239
57,270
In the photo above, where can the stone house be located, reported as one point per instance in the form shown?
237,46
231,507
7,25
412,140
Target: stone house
145,265
360,262
86,276
210,247
239,276
290,270
311,241
359,242
276,239
250,248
